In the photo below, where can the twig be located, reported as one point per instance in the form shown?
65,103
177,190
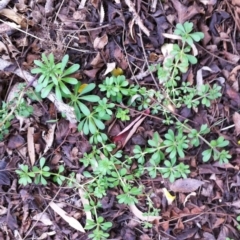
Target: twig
138,20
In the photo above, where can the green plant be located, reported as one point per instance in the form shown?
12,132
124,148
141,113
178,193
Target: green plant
175,143
222,156
238,220
92,122
123,114
41,174
117,87
185,31
5,119
100,227
106,167
77,98
177,61
23,109
54,75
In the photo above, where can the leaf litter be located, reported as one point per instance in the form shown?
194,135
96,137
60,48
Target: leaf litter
102,36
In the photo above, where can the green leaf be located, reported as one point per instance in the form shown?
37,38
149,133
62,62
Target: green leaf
64,88
77,111
180,27
188,26
191,59
197,36
90,98
221,142
206,155
39,63
99,123
88,88
71,70
64,62
45,91
51,59
86,128
189,41
42,162
92,127
84,109
70,80
36,70
58,93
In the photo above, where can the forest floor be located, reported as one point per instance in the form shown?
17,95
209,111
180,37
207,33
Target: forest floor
119,119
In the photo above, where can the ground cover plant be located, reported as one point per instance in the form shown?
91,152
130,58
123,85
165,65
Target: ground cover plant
140,137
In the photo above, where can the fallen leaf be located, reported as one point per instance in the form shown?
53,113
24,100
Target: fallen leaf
187,197
140,214
123,137
44,218
236,120
84,200
186,185
100,42
30,143
185,13
168,196
46,235
208,2
49,137
233,78
3,210
110,68
15,141
200,77
16,17
4,3
70,220
4,175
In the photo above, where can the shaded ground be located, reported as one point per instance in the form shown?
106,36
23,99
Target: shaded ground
128,35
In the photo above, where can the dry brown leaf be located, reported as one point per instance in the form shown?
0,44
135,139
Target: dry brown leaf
82,4
168,196
172,36
200,77
110,67
49,7
49,137
95,3
8,28
123,137
136,18
30,144
3,3
46,235
102,14
186,185
70,220
187,197
139,214
82,194
17,18
100,42
44,218
236,120
3,210
186,13
208,2
231,57
233,78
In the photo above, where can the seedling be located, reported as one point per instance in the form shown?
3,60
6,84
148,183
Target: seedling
54,75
